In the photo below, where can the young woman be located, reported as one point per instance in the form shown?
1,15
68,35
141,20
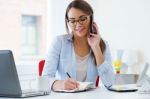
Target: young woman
81,54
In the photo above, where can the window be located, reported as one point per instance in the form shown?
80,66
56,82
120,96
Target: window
29,41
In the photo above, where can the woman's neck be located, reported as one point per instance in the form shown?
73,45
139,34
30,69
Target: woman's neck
81,46
80,40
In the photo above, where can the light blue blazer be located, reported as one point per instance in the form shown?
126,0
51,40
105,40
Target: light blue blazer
61,59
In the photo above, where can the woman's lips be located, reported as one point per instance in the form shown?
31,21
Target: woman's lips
79,29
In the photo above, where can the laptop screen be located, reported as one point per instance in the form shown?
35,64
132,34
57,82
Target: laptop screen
9,82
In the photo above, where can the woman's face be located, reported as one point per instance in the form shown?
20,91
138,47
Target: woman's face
79,22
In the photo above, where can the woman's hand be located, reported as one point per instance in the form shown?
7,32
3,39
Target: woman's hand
68,84
94,39
94,42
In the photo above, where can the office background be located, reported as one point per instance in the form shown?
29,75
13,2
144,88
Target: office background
28,26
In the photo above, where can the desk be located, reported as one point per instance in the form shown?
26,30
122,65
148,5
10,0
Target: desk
99,93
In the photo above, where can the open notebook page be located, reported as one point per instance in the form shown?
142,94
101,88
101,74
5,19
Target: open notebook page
83,86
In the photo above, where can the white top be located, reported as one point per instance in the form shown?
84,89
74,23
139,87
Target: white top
81,70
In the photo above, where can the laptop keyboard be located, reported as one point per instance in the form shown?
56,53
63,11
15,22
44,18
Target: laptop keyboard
26,93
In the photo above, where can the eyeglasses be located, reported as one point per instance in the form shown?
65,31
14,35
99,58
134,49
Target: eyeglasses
82,20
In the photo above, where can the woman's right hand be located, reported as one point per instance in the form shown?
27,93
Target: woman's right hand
68,84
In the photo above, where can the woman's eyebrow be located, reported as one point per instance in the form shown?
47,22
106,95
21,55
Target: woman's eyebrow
79,17
71,18
82,16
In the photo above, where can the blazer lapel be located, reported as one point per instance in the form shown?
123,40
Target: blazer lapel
72,70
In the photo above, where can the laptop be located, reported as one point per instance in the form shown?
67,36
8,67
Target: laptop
132,87
123,88
143,75
9,81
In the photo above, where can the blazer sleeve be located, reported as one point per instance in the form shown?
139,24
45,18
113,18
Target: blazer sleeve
105,70
52,60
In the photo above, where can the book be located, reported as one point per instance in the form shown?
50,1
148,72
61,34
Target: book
123,88
83,86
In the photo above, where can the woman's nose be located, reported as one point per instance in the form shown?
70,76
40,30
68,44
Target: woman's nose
78,25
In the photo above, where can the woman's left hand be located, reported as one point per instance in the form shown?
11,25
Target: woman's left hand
94,39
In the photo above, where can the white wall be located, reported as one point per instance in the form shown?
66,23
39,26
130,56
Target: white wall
11,23
56,24
10,26
123,23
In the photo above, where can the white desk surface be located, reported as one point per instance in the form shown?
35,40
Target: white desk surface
99,93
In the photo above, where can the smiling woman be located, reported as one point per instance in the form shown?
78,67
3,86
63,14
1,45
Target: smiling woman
80,53
82,24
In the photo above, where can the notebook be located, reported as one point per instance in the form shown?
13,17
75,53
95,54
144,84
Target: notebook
83,86
123,88
9,81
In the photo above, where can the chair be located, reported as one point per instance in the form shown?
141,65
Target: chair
97,81
41,65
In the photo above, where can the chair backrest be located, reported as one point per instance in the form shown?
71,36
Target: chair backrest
41,65
97,81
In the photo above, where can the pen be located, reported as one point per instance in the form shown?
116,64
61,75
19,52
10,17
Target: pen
73,81
68,75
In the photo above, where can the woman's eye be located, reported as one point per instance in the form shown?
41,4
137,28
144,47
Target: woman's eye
72,21
83,19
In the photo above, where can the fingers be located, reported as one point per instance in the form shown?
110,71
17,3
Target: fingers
95,26
96,35
93,35
70,84
96,29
